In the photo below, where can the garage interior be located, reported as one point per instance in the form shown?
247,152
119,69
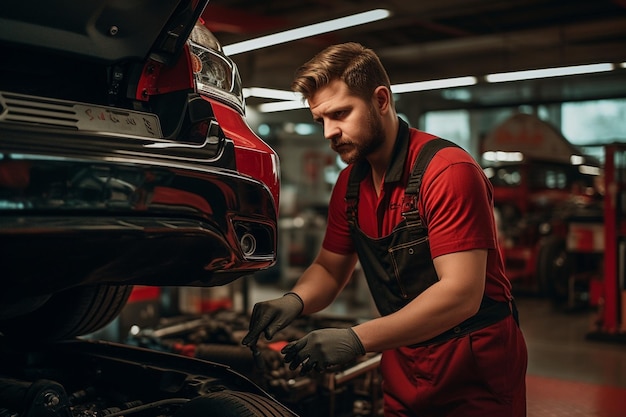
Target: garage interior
577,360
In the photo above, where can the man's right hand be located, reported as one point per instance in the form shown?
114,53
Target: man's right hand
271,316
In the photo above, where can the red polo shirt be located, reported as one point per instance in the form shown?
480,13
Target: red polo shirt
456,204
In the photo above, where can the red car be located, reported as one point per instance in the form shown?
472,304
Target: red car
125,159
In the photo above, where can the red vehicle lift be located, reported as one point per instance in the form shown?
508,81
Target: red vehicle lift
611,319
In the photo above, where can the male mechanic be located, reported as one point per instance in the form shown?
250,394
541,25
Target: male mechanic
417,213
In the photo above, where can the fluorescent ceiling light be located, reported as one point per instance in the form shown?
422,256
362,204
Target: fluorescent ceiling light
306,31
498,156
548,72
433,84
281,106
589,170
623,65
271,93
576,159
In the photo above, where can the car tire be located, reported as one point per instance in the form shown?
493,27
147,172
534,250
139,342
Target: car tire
233,404
74,312
553,270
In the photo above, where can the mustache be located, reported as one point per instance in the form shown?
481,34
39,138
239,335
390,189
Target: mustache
336,143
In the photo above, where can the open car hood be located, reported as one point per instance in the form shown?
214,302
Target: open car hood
103,30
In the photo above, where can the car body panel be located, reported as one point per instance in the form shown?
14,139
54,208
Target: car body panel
103,30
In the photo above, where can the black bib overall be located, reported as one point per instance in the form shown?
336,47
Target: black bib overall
398,267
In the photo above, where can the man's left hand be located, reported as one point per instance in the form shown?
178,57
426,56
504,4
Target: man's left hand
322,349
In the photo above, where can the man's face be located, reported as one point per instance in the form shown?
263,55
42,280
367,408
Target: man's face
352,124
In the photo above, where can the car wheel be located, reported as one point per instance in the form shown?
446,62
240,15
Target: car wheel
553,269
74,312
233,404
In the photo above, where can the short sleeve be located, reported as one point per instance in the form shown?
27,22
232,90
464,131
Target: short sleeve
337,238
457,206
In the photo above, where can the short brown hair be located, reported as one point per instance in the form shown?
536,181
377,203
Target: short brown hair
359,67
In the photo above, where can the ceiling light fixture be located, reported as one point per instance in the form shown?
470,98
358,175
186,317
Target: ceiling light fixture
548,72
282,106
433,84
271,93
306,31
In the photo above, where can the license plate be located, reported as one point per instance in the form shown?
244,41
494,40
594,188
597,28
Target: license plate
105,119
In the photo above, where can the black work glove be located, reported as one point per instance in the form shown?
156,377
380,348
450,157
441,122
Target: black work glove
271,316
323,349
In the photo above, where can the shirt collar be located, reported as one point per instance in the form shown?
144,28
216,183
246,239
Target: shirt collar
400,151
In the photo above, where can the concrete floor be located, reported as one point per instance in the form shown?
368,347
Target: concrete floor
568,375
558,346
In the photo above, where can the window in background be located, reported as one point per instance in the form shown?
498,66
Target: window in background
453,125
590,124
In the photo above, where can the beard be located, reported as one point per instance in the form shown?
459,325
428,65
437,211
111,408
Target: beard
352,151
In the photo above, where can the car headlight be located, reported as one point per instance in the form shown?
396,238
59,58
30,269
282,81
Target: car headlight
216,75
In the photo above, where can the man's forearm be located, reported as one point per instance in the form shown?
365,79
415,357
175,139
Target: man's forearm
430,314
317,288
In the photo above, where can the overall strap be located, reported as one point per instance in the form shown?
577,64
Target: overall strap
423,159
411,193
358,173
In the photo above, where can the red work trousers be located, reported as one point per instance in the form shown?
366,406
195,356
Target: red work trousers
481,374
